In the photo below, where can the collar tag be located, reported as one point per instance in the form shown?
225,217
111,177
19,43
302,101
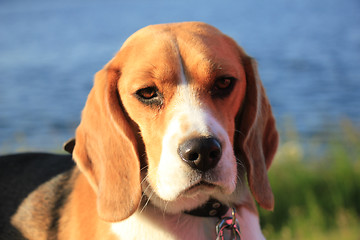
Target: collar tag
228,223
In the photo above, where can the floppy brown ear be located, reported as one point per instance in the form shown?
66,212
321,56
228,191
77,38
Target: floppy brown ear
106,149
256,135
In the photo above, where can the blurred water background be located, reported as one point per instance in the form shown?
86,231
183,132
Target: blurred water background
308,53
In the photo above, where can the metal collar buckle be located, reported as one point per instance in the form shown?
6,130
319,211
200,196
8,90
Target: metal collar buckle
228,223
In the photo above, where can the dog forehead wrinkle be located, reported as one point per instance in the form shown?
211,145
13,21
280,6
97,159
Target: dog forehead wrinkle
183,80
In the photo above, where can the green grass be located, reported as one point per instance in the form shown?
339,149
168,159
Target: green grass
317,190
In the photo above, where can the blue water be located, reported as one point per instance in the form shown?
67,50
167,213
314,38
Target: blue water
308,53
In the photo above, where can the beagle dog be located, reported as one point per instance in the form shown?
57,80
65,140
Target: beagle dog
177,133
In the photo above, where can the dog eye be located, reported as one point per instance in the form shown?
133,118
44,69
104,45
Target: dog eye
222,83
149,96
223,86
147,93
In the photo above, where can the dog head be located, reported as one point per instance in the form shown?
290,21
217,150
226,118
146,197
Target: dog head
179,115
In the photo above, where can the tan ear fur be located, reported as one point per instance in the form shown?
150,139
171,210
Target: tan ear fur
256,137
106,149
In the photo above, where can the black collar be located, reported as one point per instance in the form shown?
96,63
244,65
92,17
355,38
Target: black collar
212,208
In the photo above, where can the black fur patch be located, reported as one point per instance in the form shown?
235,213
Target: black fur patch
20,175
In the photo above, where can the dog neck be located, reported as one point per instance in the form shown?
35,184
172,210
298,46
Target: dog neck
153,223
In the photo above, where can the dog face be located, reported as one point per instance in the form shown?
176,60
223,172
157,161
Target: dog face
185,101
184,96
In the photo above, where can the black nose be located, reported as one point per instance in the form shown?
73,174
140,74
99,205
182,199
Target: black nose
201,153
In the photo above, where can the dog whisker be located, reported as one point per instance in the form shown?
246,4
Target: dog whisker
241,133
145,192
147,201
165,207
144,179
143,168
240,163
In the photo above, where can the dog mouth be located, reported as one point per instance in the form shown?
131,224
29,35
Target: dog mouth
200,186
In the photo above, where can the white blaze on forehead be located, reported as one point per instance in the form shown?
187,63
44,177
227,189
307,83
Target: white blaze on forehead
188,107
